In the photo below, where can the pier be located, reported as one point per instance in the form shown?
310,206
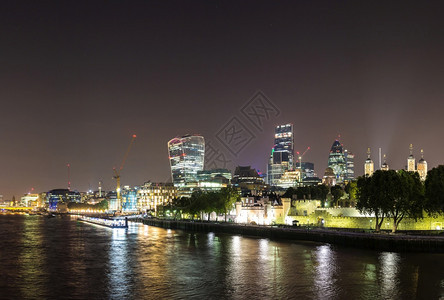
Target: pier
111,223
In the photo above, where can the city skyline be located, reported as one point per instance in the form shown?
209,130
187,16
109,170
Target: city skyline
78,79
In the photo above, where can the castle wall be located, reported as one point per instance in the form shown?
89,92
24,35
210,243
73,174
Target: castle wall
427,223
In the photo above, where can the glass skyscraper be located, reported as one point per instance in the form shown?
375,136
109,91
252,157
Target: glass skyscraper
186,156
336,161
350,165
282,154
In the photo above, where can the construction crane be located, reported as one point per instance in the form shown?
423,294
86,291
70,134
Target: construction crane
117,172
300,157
300,161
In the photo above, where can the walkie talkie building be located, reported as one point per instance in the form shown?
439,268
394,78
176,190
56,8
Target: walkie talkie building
186,156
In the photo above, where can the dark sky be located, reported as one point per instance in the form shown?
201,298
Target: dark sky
78,78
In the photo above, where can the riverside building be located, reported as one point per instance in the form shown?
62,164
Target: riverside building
153,194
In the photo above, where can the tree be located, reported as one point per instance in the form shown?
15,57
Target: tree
289,193
407,197
210,202
102,205
370,196
337,192
351,189
197,204
228,196
391,194
434,191
180,205
320,192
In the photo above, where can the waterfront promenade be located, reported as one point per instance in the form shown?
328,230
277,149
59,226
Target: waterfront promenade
400,242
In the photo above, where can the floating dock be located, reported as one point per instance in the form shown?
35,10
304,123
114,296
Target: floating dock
111,223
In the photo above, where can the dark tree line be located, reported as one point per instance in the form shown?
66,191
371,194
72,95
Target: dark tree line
400,194
220,202
308,192
434,191
102,205
322,192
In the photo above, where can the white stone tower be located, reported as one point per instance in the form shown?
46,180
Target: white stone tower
368,166
422,167
411,160
385,166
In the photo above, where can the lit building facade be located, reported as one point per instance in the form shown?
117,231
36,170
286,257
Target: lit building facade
282,154
152,194
307,169
369,167
411,162
336,161
248,180
349,165
290,179
385,166
129,199
214,180
422,167
61,196
30,200
329,178
186,156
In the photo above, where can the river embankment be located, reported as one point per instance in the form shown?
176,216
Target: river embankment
369,240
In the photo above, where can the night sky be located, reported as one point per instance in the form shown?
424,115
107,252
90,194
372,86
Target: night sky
77,79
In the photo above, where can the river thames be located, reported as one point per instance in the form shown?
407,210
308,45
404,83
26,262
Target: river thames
62,258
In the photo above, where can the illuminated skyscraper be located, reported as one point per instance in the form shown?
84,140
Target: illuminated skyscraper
186,156
349,165
336,161
282,154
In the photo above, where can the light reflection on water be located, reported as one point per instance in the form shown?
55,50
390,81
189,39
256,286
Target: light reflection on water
61,258
325,281
119,274
390,264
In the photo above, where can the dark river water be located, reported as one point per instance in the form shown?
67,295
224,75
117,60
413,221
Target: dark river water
61,258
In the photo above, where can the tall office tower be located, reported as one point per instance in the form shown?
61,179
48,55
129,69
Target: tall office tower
336,161
349,165
186,155
368,165
422,167
411,161
282,154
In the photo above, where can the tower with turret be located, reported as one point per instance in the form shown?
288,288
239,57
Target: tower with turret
368,166
411,161
385,166
422,167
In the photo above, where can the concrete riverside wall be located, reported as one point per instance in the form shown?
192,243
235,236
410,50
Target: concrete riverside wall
382,242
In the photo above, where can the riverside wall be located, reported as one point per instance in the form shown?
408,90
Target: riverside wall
381,242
